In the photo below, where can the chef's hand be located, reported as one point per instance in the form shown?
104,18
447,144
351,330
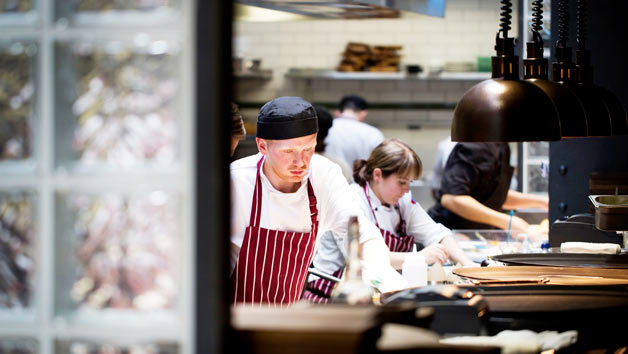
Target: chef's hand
518,226
435,253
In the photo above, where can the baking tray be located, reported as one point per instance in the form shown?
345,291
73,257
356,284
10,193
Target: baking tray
529,275
616,261
611,212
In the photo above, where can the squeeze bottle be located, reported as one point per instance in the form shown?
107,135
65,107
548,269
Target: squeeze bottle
414,269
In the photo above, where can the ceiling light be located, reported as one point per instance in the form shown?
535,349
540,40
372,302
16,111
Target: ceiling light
504,108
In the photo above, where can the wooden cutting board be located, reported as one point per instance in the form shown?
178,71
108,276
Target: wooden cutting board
565,260
544,275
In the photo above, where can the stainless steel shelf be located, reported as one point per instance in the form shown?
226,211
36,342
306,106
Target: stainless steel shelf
337,75
255,75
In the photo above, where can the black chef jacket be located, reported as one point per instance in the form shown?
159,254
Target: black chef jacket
480,170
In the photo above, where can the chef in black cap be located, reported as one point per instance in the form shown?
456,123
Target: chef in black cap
282,197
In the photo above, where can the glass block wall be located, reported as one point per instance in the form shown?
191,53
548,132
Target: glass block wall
96,176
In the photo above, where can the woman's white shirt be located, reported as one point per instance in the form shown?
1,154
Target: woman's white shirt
331,252
418,223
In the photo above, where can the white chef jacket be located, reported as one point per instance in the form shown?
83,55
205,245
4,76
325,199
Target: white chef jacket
443,150
331,252
350,140
290,211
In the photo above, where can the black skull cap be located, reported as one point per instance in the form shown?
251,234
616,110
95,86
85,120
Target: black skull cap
286,117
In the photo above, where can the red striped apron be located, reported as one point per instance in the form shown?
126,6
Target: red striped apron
395,243
273,265
319,290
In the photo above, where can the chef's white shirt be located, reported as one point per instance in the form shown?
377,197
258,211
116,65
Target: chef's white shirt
290,211
443,150
331,253
350,140
418,223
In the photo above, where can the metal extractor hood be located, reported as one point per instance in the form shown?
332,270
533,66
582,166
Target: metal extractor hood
348,9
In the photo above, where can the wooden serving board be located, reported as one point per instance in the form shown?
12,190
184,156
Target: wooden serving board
619,261
544,275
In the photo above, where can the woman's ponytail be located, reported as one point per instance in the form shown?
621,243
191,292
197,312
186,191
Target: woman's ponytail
359,172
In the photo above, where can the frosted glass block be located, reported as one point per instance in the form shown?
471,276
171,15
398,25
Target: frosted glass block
15,6
18,86
123,12
18,13
18,345
90,347
116,104
17,263
116,255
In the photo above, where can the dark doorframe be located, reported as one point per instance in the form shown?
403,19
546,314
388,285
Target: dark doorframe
213,97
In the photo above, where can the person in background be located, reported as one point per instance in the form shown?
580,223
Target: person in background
237,127
382,189
325,121
475,190
350,138
281,197
440,160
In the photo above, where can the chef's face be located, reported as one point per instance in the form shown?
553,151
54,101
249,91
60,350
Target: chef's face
390,189
289,159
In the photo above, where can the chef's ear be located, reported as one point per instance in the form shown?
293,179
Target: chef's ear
377,174
262,145
363,113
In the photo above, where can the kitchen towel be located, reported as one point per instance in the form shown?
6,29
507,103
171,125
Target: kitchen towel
523,341
589,247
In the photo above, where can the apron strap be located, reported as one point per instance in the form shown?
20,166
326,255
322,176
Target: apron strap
256,203
313,209
401,228
368,199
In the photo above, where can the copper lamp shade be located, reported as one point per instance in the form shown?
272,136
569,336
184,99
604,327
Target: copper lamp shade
598,119
598,115
613,122
619,120
573,121
503,110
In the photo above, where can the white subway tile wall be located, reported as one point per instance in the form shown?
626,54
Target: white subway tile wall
466,32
